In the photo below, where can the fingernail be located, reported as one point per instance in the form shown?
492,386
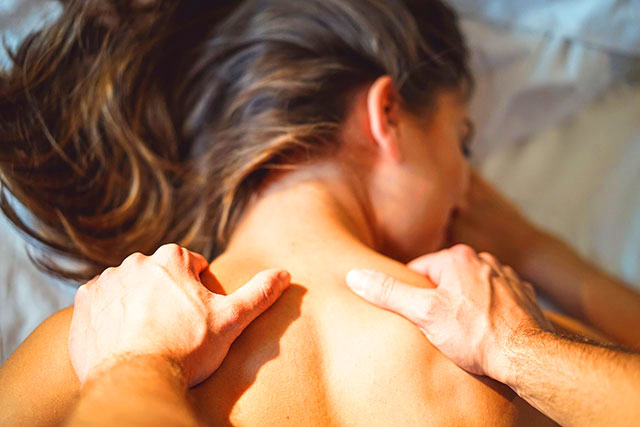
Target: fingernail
284,276
356,279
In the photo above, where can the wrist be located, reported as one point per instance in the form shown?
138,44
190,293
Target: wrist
135,390
503,360
145,365
517,351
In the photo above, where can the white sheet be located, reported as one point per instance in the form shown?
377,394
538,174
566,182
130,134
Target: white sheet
609,25
581,180
529,81
27,296
548,136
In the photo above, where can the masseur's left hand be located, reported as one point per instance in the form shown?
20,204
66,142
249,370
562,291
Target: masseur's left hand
156,305
483,318
489,222
477,308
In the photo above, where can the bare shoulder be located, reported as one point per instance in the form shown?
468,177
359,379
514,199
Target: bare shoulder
37,382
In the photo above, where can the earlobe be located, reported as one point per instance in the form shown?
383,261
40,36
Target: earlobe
382,108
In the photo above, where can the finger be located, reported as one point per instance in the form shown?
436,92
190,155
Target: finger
529,289
491,260
390,294
134,259
426,263
433,265
511,272
256,296
197,262
168,254
173,255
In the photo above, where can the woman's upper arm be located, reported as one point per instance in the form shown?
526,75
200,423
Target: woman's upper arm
568,325
37,383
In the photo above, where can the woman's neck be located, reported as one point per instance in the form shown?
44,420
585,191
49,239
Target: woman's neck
318,229
317,226
306,208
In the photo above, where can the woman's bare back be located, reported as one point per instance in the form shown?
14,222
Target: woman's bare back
319,356
322,356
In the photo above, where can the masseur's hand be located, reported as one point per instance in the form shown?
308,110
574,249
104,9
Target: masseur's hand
470,317
156,305
490,223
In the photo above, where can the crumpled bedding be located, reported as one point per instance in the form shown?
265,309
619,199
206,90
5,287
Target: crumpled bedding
558,114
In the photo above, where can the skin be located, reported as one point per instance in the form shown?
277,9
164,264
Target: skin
321,355
486,320
152,319
157,397
556,270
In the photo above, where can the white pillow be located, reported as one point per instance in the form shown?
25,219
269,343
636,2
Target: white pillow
529,81
612,25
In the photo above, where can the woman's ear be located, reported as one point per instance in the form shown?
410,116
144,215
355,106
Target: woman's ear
383,107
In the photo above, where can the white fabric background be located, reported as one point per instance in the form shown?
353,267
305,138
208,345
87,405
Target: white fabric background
581,180
608,25
558,117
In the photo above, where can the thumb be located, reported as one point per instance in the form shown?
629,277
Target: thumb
438,265
431,265
390,294
197,262
256,296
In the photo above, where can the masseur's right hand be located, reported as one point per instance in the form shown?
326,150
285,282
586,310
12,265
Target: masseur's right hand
470,317
157,306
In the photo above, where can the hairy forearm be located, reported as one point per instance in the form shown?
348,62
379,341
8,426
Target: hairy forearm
144,390
574,383
583,290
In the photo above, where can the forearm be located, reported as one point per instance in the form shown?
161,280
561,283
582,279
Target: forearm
145,390
583,290
574,383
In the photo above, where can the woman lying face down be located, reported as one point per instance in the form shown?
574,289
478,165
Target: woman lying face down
313,136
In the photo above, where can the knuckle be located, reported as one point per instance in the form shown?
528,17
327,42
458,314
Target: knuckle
487,256
233,314
463,250
510,271
267,291
137,256
487,271
387,287
231,318
264,284
134,258
81,294
90,282
264,288
265,276
169,250
110,271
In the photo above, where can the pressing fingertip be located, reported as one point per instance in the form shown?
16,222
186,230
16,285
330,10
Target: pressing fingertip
356,279
284,277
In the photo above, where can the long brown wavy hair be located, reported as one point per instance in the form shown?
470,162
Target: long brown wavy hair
127,124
